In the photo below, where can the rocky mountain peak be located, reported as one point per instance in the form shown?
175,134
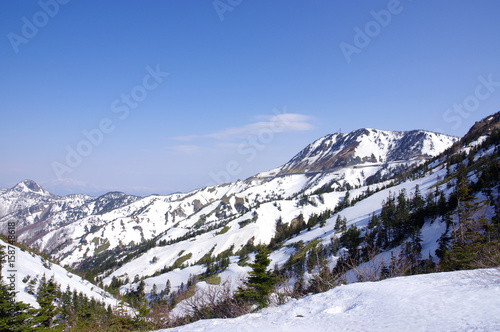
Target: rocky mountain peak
363,146
483,127
29,187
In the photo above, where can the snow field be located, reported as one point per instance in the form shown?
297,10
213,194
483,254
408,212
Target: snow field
452,301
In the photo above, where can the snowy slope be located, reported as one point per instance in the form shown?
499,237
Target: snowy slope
263,229
168,218
28,265
453,301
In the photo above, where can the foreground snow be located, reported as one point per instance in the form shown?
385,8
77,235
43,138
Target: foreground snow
453,301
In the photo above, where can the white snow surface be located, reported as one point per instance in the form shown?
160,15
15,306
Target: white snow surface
27,264
451,301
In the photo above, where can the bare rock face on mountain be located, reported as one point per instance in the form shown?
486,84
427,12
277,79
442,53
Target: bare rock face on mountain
484,127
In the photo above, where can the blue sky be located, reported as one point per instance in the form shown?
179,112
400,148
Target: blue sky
164,96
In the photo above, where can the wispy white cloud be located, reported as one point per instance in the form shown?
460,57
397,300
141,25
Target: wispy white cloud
66,182
65,186
277,123
73,186
185,148
186,138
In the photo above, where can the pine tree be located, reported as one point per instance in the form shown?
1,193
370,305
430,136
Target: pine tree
345,202
373,221
351,240
261,281
14,316
48,311
167,287
441,204
340,223
66,305
89,275
418,202
140,289
31,286
153,295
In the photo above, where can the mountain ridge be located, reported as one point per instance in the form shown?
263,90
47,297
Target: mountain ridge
364,145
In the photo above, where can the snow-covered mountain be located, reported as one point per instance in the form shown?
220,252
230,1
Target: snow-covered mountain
248,211
258,225
362,146
37,212
340,307
25,194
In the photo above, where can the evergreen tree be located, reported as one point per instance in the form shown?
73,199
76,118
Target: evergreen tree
66,305
442,205
14,316
45,298
351,239
31,286
340,223
345,202
89,275
140,289
261,282
153,296
373,221
418,202
167,287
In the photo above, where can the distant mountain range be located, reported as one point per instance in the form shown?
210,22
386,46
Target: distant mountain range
75,226
170,237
